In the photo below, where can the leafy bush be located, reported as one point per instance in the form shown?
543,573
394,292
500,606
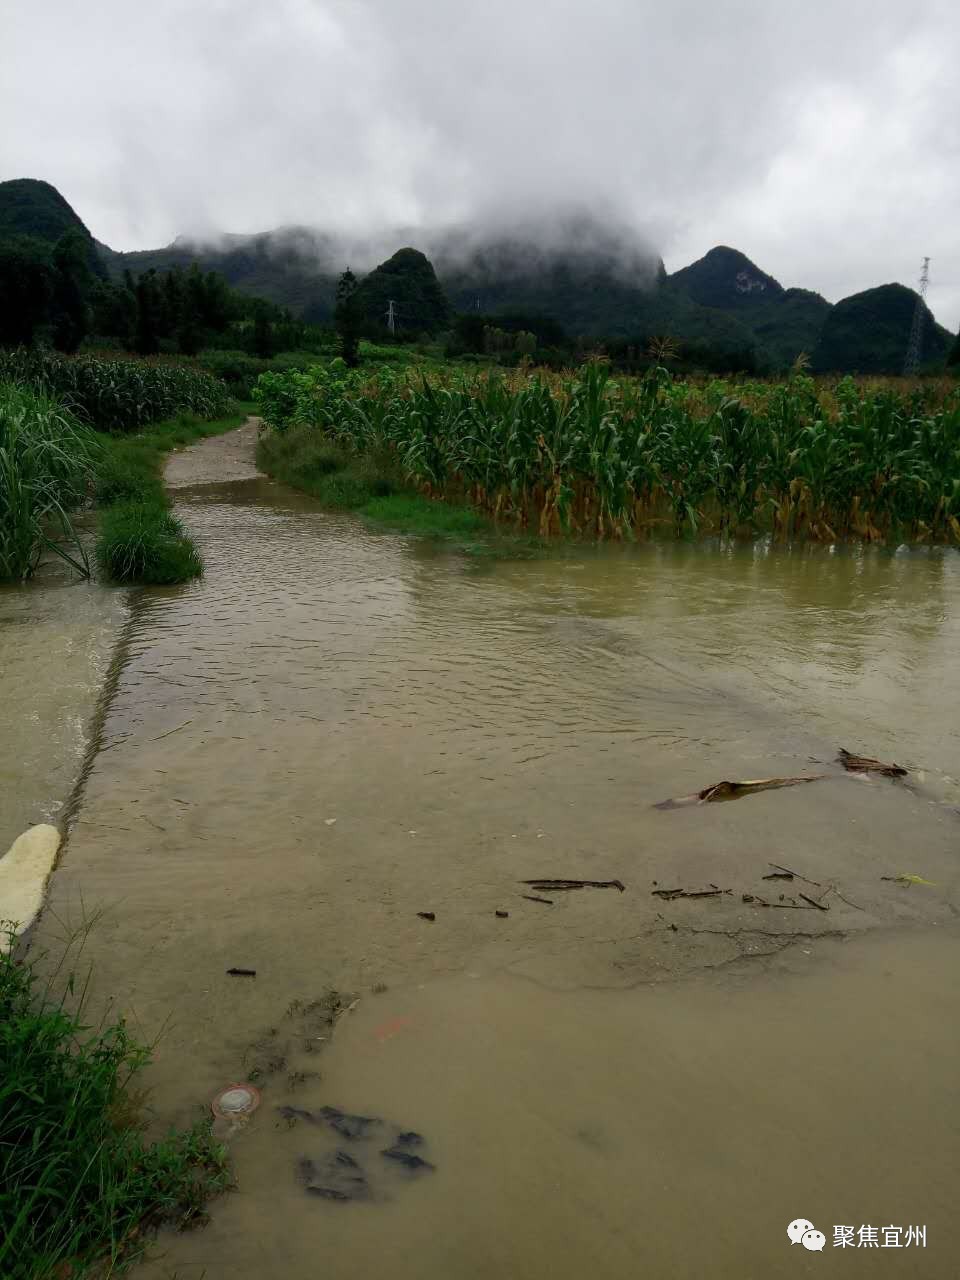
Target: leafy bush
117,395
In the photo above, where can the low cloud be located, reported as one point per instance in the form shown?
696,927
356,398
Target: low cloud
819,139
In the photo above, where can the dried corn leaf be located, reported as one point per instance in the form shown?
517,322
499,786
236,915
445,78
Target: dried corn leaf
734,790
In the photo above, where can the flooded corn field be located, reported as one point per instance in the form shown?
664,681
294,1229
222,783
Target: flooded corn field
338,759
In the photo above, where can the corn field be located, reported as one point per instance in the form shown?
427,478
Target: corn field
605,457
117,395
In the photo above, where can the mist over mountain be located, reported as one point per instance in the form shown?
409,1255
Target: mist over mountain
588,272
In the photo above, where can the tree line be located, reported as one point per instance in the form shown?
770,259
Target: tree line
50,294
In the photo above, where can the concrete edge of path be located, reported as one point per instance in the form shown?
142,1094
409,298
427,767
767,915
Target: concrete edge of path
24,872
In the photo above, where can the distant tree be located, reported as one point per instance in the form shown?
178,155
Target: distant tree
147,340
114,312
189,337
172,303
348,319
73,282
263,336
954,356
26,289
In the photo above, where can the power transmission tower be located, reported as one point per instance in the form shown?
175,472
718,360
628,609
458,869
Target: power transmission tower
915,346
391,317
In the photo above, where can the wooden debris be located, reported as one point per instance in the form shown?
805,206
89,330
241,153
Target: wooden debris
787,872
427,915
667,895
530,898
550,885
821,906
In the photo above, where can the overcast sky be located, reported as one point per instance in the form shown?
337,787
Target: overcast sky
822,138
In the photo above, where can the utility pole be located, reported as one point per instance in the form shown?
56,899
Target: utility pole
915,346
391,316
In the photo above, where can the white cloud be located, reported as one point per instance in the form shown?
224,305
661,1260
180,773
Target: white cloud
819,138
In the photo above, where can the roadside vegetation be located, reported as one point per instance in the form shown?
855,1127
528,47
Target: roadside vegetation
47,459
587,453
116,395
69,437
79,1184
370,483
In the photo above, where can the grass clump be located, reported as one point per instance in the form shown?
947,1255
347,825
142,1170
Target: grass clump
46,460
78,1182
145,542
141,541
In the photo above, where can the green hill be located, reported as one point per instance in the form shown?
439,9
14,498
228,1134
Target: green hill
725,278
410,282
869,332
29,207
782,322
294,267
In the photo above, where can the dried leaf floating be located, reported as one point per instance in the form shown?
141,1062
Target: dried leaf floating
864,764
734,790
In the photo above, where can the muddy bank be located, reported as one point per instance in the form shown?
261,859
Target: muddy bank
337,733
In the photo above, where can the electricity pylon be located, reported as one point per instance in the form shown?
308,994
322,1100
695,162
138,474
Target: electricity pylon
915,346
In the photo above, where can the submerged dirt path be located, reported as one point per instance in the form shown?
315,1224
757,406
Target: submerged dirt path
218,460
335,730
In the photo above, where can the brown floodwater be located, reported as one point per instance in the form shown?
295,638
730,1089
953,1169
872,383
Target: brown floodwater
336,729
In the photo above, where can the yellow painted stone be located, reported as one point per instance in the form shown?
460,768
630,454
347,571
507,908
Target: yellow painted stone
24,872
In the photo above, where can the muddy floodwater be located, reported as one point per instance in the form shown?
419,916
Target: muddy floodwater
337,729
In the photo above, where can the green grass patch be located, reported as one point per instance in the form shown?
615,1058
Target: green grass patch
372,485
145,542
412,513
140,540
79,1185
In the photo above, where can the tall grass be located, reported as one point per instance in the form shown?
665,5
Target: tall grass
47,459
145,542
117,395
78,1182
613,457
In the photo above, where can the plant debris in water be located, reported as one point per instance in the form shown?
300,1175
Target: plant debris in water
864,764
735,790
545,886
